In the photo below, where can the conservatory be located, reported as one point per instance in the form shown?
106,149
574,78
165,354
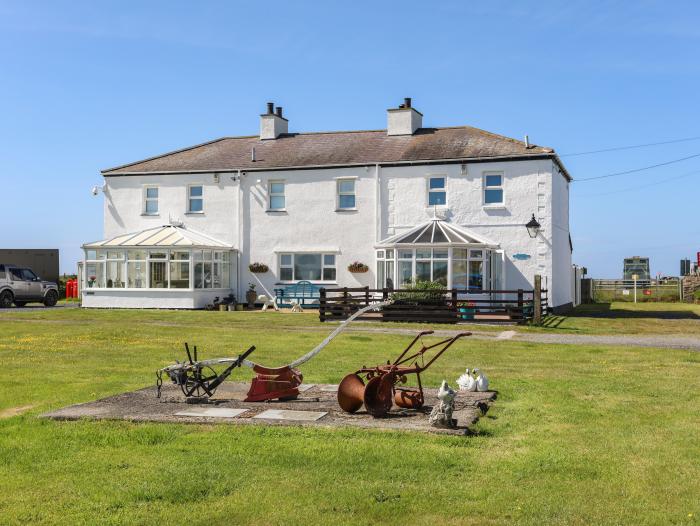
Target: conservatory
443,252
167,267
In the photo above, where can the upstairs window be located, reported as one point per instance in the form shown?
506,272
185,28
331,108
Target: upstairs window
150,200
493,188
437,195
276,192
195,200
346,194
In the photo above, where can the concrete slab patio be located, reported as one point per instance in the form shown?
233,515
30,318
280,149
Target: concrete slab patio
316,406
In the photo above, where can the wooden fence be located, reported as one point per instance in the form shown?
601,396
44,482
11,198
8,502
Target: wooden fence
439,306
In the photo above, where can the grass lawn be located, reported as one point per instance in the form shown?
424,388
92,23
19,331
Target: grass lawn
578,435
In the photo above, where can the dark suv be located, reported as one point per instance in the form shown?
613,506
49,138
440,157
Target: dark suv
19,285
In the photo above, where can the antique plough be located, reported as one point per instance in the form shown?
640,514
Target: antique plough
198,379
385,382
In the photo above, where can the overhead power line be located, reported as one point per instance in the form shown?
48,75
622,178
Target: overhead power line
686,139
615,174
638,187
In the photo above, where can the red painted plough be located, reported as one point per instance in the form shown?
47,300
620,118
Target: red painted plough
384,382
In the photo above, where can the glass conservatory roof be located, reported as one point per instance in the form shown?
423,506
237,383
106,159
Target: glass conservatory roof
437,232
162,236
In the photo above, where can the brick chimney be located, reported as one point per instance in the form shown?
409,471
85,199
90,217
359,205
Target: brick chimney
404,120
272,124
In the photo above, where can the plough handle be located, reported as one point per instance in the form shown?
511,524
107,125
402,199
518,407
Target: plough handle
246,354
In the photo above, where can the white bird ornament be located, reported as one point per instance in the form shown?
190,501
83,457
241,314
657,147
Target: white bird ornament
482,382
467,382
445,394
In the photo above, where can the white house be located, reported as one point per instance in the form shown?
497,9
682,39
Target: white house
412,203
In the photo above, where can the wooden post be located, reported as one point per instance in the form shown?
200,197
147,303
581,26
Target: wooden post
385,294
454,299
521,311
322,304
366,296
537,298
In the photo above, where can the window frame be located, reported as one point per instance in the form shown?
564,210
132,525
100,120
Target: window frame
271,194
190,198
339,193
501,187
146,199
292,265
430,190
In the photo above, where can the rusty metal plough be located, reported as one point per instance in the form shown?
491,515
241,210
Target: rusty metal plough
385,382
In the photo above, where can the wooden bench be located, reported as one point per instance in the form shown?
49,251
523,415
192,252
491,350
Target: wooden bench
305,292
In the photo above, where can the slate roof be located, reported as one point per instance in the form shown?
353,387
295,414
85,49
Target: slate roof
299,150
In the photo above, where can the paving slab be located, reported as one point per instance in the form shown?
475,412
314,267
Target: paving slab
216,412
288,414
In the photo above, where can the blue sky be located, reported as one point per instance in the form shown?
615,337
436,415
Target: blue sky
89,85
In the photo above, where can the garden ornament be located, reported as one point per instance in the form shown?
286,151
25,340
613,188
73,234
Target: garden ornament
441,415
482,382
267,302
467,382
296,306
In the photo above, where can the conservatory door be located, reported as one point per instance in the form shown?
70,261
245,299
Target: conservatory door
470,273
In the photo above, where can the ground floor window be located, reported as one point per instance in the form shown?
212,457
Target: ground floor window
307,266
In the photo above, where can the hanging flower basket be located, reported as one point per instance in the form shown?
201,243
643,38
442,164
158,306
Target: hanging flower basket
258,268
358,268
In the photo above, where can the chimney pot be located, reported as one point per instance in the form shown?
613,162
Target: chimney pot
270,108
279,111
407,102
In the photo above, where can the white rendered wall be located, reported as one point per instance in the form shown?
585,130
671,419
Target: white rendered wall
124,204
561,249
149,298
526,191
310,223
391,204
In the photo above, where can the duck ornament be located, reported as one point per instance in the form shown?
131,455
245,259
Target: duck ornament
467,382
482,382
441,415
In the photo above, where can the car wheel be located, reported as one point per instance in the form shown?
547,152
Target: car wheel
20,303
6,299
51,298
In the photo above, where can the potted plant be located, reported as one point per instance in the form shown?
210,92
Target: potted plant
91,281
251,295
258,268
358,268
467,310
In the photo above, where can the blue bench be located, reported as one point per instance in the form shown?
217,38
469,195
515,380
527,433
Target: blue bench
305,292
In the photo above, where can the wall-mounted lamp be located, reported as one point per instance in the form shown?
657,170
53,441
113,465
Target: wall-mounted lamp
533,227
97,189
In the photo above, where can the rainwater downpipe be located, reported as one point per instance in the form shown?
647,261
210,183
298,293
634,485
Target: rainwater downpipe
240,236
